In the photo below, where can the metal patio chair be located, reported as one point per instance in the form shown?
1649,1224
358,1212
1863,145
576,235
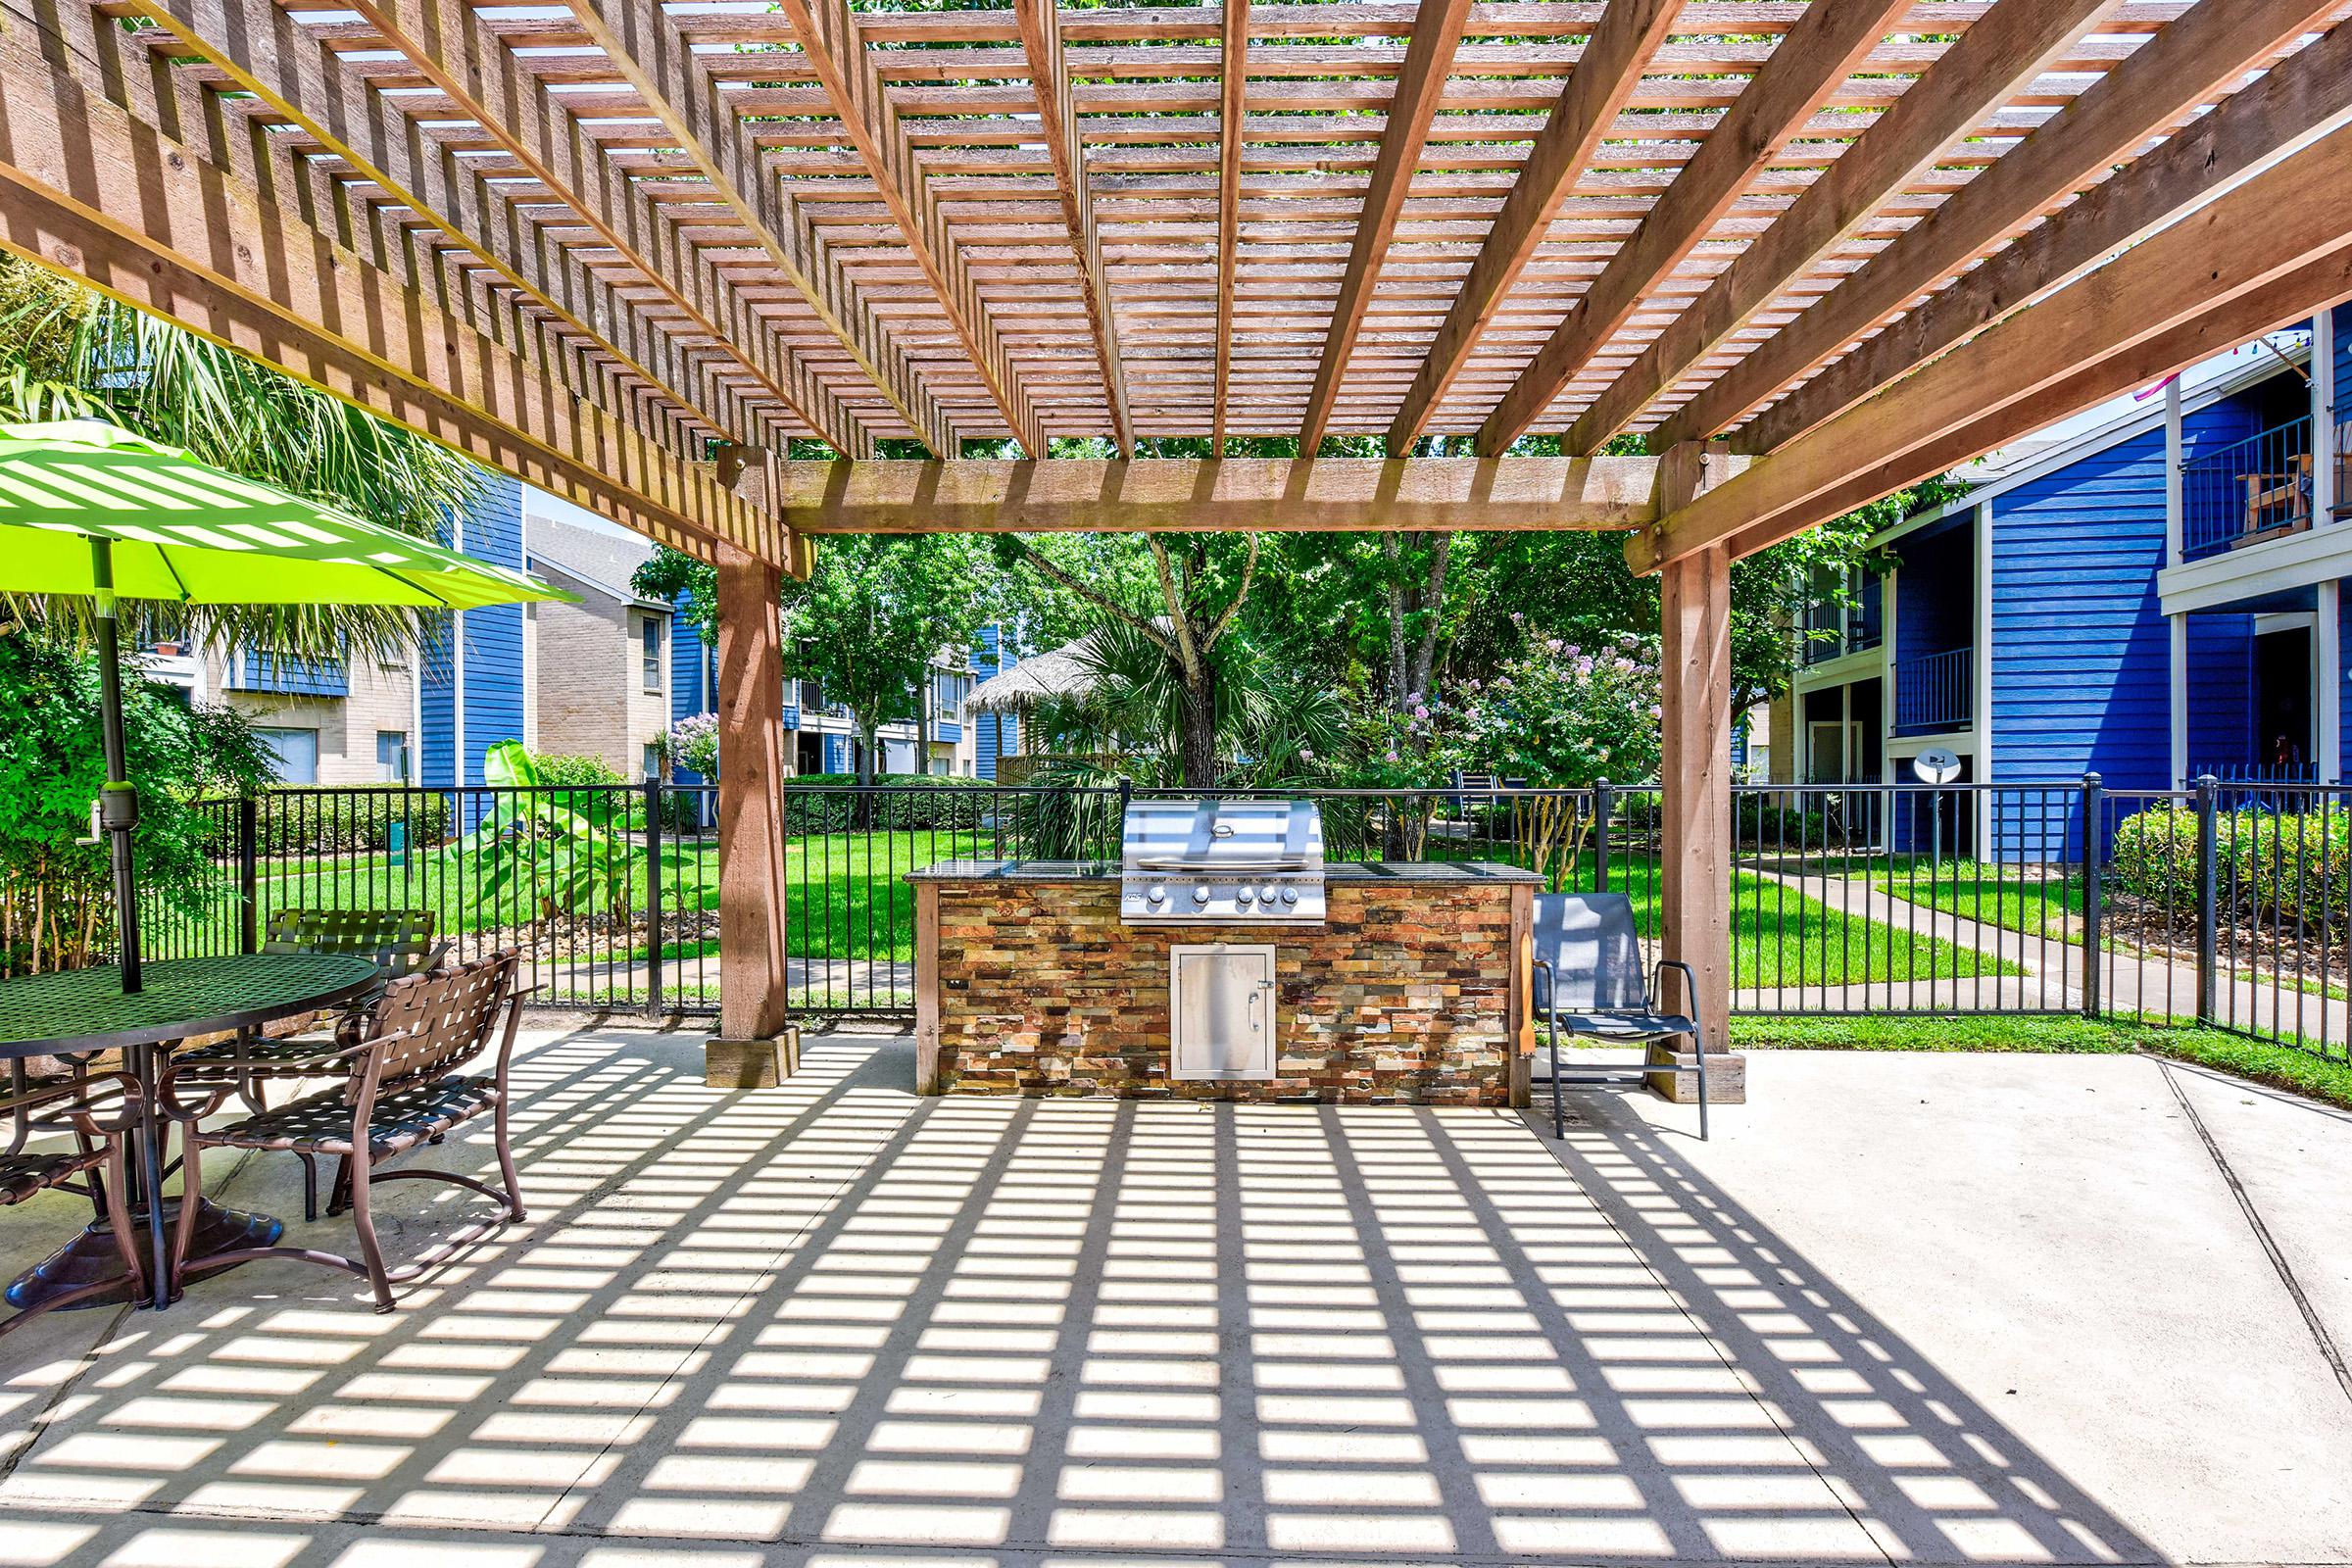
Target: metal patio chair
399,942
404,1089
97,1111
1588,977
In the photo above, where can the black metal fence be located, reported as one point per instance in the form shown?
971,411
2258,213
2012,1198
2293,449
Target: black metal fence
2226,903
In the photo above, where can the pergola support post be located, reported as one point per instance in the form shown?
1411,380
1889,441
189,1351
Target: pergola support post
1694,697
755,1046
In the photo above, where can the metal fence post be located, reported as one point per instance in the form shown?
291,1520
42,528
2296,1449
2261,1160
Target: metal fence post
2208,888
653,894
1605,806
249,874
2093,895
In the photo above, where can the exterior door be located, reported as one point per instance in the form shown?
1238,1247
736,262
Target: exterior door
1221,1010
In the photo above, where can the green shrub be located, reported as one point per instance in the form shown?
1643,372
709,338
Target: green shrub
829,803
2287,866
564,770
309,821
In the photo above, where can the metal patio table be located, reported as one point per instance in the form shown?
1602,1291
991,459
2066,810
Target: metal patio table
79,1012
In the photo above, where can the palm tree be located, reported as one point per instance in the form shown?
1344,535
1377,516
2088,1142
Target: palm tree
1136,717
69,353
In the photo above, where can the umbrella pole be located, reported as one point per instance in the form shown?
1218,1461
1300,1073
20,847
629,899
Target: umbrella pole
119,803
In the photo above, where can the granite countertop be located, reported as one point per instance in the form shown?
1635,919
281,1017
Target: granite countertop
1334,873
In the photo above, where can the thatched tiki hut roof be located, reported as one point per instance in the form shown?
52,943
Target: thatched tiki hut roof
1067,674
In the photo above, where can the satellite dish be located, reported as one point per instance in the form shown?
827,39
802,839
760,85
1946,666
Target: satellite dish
1936,766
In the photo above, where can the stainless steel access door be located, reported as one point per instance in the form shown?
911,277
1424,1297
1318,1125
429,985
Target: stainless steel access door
1221,1010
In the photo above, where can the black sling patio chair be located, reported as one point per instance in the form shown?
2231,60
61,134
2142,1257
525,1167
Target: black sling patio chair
1587,978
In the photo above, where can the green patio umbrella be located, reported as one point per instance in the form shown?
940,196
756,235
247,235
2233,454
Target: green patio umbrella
89,508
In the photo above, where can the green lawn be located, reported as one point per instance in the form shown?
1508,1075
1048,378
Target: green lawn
2280,1067
1781,938
2016,898
849,901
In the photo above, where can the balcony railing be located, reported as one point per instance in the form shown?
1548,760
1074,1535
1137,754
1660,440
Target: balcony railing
2249,491
1933,691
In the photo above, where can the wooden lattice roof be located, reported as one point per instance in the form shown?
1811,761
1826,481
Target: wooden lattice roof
750,224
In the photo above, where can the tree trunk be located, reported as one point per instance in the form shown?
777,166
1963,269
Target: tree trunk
922,727
1198,742
861,814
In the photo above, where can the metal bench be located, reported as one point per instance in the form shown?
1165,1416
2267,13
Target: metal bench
1588,977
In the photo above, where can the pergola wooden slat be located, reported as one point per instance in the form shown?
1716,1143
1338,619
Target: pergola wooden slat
603,244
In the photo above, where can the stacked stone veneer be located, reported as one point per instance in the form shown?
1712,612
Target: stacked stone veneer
1404,994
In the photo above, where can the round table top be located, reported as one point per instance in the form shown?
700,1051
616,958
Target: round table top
84,1009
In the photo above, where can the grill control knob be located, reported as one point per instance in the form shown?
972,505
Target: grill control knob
1266,892
1290,895
1201,893
1157,893
1244,893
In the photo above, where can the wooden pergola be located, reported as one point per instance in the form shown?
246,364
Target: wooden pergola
1815,251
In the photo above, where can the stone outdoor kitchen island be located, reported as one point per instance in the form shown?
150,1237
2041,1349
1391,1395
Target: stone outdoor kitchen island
1413,989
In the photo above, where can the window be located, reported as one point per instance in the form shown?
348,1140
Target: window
649,630
294,754
652,761
391,757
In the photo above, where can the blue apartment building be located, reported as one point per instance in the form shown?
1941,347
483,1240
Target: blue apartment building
607,676
2152,593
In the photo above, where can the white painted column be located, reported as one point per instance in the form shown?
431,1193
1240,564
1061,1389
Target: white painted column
2327,682
2322,419
1979,697
2327,654
2173,520
2180,699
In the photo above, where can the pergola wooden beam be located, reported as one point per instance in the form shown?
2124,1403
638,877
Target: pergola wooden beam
2182,65
1233,84
644,45
90,189
1420,84
1627,34
1974,76
830,41
2302,98
2266,252
1058,130
264,52
1171,496
461,56
1827,44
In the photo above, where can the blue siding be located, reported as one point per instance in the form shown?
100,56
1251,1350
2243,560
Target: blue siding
2080,655
1934,591
492,640
436,703
836,755
689,679
297,677
994,735
2220,692
493,530
2341,687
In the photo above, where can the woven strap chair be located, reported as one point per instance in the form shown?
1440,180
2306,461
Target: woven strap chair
96,1112
398,941
402,1088
1589,979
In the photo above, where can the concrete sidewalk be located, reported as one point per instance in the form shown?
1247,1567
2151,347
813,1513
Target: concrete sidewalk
1931,1309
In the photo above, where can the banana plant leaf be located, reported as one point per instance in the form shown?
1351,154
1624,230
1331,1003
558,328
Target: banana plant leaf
534,849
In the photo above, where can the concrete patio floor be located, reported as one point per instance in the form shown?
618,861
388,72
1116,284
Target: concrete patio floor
1902,1308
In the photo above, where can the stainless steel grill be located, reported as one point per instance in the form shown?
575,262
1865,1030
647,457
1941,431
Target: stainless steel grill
1221,862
